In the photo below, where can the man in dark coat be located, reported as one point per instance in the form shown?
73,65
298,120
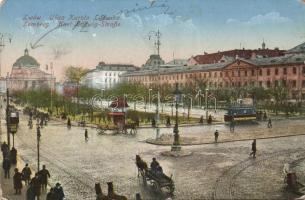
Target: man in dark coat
69,122
6,167
17,179
216,134
26,174
35,183
44,175
4,149
86,135
51,195
154,165
58,192
13,155
253,149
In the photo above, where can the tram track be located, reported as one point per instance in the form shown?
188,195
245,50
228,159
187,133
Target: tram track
63,170
223,188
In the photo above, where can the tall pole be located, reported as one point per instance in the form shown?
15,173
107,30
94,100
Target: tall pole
158,43
8,118
176,145
51,87
206,103
38,148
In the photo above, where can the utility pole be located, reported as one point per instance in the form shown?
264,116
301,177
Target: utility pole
8,118
158,43
3,37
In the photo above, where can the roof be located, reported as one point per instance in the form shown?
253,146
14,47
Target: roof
280,60
26,61
297,49
241,53
177,62
170,69
114,67
164,69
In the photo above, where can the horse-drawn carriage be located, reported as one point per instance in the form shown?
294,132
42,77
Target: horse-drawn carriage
117,129
157,180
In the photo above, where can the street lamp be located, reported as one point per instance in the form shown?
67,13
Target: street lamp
13,125
206,103
38,140
176,145
149,101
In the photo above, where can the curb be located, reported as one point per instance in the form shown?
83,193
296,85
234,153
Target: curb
219,142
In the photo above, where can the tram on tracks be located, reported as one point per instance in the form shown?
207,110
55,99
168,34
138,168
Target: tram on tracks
240,113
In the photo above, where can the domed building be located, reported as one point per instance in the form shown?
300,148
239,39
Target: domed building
26,75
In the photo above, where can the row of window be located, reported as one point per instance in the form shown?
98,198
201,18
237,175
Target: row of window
237,73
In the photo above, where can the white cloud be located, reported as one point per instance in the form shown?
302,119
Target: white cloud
272,17
232,21
261,19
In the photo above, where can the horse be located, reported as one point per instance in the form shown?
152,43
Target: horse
99,193
112,195
141,164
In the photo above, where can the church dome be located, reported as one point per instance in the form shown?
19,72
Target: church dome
26,61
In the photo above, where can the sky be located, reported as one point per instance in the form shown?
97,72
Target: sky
85,32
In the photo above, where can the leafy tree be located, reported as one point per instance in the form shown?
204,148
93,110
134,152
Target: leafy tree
75,75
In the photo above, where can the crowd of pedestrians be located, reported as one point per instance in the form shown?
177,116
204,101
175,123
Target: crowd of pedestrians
35,185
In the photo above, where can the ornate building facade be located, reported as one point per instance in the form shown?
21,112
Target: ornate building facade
106,76
26,75
287,69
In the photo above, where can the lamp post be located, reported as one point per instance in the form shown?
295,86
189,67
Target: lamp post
206,103
149,100
38,140
8,118
176,145
13,125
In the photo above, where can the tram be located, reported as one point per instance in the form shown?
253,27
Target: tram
240,113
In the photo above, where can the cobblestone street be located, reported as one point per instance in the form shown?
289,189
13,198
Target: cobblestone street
213,171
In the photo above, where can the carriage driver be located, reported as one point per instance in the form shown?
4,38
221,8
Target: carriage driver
154,165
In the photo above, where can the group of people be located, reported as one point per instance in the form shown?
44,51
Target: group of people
9,158
36,184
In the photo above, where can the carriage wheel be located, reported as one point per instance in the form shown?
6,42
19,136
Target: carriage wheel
171,189
156,186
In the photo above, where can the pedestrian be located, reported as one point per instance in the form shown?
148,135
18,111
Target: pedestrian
13,156
4,149
168,121
210,119
58,192
216,134
69,122
30,193
35,183
6,167
17,180
86,135
50,195
265,116
232,125
253,149
269,123
44,174
26,174
201,120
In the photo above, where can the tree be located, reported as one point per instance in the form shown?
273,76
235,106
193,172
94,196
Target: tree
280,94
75,75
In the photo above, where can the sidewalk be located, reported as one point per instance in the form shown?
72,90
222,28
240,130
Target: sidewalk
6,185
280,128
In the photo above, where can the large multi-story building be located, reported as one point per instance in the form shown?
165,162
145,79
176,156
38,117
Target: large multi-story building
26,74
106,76
289,69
